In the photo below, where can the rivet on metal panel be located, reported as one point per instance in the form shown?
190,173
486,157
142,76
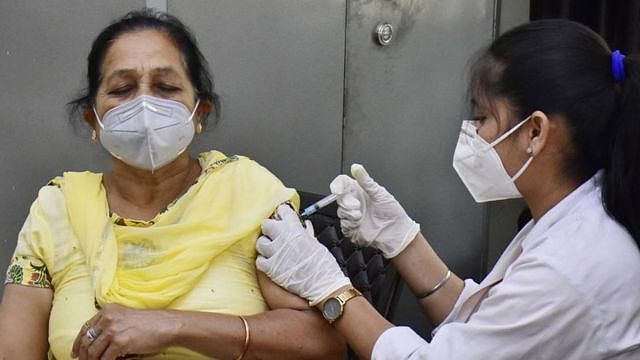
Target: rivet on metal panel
384,33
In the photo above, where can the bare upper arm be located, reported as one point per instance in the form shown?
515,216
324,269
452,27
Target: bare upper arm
24,322
331,344
279,298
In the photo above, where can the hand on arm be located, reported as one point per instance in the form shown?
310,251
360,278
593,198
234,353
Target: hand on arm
24,322
292,257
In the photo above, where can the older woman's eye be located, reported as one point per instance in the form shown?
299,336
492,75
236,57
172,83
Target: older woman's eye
122,90
479,119
167,88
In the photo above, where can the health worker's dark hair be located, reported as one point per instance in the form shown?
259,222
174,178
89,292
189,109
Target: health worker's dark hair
561,67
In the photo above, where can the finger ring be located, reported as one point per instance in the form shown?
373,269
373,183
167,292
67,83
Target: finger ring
91,334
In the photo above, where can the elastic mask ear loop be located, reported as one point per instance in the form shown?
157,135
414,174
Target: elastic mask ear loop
504,136
511,131
522,169
97,117
195,107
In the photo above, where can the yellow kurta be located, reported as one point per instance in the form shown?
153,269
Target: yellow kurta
198,254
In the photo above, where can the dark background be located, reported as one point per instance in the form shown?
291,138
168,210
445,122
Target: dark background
617,21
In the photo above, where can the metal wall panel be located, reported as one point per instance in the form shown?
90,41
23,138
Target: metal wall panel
43,47
403,110
279,67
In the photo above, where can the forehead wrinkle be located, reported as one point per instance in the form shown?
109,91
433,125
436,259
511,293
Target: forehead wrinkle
159,71
165,71
174,70
122,73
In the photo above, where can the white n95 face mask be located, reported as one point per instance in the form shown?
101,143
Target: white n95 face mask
480,168
147,132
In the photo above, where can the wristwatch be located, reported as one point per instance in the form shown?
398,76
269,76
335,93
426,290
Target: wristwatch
334,306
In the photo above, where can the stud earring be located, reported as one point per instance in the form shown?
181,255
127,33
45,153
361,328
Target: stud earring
199,128
529,150
94,135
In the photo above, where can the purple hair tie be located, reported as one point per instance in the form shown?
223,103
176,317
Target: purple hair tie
617,66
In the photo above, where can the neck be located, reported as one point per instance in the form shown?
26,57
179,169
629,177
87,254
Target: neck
150,190
544,195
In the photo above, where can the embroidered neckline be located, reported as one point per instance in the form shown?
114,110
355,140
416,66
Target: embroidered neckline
121,221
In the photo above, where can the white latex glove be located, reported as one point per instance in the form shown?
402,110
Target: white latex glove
292,257
370,215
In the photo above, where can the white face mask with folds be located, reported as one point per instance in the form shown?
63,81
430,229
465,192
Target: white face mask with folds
147,132
480,168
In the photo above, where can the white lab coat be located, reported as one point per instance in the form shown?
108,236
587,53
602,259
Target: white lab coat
567,287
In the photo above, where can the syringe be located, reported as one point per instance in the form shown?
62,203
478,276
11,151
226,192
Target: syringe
319,205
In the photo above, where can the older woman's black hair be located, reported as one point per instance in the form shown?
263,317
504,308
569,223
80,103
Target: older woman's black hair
196,64
561,67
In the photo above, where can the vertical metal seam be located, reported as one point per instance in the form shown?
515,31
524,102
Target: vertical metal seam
495,31
345,88
486,209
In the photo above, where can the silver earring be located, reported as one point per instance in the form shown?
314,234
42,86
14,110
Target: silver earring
529,150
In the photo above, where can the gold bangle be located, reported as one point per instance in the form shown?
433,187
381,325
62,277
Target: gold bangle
246,338
435,288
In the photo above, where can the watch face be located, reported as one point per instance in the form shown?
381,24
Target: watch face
332,309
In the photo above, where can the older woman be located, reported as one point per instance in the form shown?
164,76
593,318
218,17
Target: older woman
156,257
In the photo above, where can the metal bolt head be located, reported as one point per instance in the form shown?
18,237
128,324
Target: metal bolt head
384,33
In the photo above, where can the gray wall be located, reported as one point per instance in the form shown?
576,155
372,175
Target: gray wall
43,47
279,67
306,92
404,107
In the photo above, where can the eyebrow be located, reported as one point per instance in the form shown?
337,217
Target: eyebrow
120,73
164,71
127,72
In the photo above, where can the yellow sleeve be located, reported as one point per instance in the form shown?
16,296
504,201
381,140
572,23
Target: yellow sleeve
32,257
29,271
266,186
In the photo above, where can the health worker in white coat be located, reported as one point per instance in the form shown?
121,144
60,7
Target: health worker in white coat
557,122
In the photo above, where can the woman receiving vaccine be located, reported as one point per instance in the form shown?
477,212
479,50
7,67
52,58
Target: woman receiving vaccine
557,122
155,257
